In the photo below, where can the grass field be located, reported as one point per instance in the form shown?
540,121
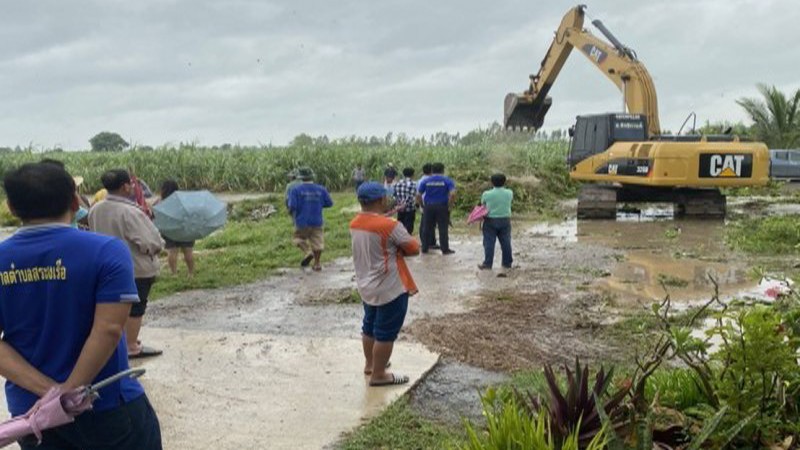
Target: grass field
264,169
246,250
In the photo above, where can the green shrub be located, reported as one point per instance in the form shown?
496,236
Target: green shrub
676,388
768,235
510,426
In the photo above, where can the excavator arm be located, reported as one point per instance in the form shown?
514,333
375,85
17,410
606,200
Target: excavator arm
618,62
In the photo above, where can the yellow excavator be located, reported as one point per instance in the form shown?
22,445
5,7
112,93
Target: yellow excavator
624,156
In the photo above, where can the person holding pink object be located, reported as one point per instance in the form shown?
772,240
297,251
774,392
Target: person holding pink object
477,214
497,223
65,297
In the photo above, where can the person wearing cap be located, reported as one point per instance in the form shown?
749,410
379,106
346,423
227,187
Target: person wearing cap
305,203
384,282
294,181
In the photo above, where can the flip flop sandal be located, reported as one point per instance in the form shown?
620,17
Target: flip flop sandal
317,268
388,364
145,352
396,380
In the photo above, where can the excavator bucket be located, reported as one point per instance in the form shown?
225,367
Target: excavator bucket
521,112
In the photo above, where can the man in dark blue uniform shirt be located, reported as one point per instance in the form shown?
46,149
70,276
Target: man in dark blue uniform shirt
436,193
65,295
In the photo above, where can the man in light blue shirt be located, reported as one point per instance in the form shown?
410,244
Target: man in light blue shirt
497,224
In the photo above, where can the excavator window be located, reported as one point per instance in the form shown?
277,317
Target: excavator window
596,133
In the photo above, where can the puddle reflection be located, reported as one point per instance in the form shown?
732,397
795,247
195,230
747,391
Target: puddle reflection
680,254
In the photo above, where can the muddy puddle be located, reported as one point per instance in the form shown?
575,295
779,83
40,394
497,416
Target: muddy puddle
652,253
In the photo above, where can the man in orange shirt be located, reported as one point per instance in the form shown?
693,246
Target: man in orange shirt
384,282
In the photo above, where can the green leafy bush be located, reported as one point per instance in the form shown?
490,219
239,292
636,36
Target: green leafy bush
675,388
510,426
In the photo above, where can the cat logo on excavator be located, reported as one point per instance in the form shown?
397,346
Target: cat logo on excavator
726,165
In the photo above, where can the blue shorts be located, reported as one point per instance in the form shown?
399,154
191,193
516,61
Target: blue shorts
383,322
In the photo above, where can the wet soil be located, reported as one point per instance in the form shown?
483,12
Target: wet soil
518,331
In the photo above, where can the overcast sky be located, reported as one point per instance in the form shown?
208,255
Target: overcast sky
249,72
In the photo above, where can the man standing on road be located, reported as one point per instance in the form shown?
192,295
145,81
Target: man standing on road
120,217
405,197
497,224
384,281
65,296
427,171
439,192
306,202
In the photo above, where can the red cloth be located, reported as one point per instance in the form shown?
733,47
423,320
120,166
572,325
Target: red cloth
138,193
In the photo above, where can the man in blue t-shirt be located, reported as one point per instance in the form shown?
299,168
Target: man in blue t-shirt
65,295
436,193
305,202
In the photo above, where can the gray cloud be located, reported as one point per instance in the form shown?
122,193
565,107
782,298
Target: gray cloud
255,71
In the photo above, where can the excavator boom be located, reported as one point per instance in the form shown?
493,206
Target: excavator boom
616,61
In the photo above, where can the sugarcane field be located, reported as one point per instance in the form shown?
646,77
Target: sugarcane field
385,226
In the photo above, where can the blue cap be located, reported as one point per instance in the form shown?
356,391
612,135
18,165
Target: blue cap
371,191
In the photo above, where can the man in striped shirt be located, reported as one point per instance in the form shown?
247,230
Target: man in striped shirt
405,197
384,282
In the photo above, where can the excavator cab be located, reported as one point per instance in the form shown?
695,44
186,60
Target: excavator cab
594,134
523,112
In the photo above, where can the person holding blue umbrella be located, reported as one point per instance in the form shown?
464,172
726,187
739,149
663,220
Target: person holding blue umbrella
168,187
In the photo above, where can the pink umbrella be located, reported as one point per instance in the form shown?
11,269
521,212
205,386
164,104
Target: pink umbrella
56,408
478,213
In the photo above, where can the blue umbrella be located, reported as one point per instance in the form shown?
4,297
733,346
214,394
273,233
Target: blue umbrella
189,215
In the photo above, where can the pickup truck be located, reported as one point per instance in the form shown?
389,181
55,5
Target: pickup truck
784,164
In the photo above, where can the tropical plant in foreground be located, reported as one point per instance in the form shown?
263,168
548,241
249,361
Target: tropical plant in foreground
511,426
750,383
576,409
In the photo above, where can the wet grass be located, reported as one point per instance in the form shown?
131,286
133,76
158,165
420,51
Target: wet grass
399,428
776,235
246,250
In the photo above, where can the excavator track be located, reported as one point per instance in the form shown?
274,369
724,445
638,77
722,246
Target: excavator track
597,202
600,201
700,204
